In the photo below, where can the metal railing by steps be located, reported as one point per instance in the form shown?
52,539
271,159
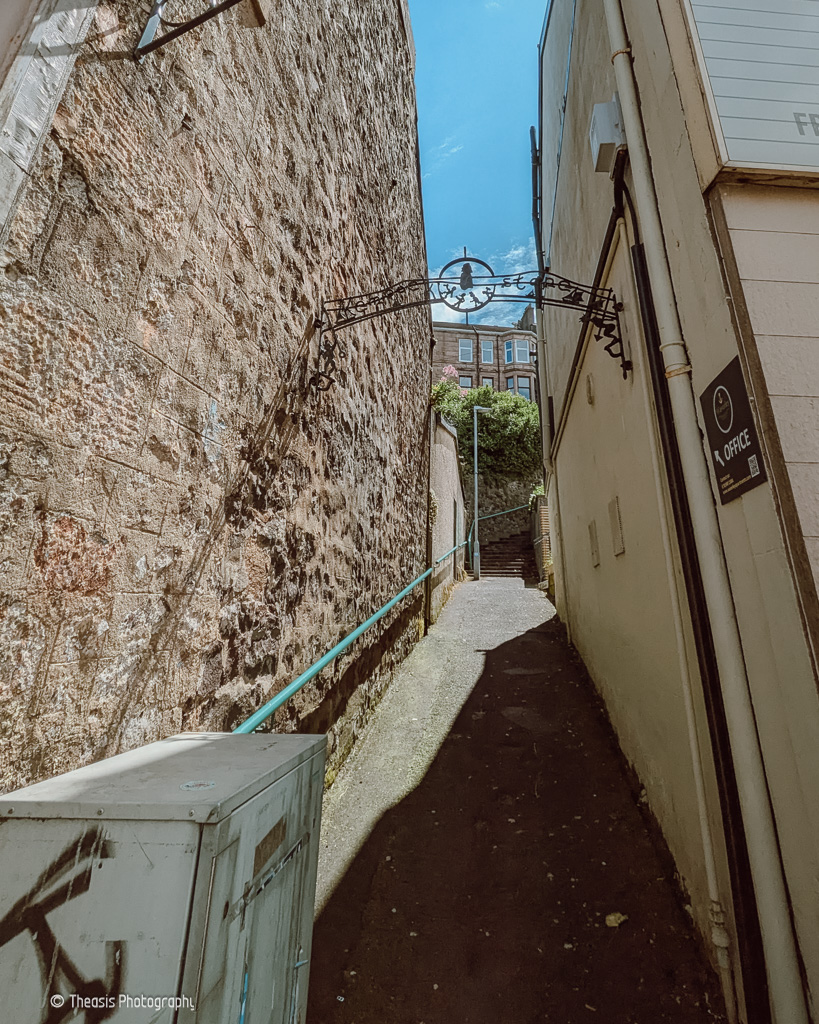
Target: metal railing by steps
266,710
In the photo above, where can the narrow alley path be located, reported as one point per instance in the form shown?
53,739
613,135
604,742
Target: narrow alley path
478,838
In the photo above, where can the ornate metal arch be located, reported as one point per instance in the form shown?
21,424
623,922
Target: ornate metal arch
459,288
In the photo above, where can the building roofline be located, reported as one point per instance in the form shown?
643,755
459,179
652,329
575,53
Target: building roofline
440,325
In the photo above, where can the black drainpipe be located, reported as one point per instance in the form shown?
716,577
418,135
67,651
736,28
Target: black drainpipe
749,937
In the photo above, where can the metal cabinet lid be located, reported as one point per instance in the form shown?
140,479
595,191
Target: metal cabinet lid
198,777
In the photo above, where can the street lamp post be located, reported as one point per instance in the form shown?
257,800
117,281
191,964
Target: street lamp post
476,548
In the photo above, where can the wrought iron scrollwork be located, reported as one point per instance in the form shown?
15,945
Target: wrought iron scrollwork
323,379
463,290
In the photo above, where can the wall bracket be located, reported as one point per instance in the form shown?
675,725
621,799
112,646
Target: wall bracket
149,42
463,290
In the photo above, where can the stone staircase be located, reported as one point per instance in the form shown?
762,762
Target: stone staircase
513,557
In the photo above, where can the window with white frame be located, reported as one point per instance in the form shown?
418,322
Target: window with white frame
510,383
465,381
488,382
525,388
522,350
509,352
487,353
464,350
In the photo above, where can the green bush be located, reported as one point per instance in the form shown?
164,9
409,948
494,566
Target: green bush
508,436
538,492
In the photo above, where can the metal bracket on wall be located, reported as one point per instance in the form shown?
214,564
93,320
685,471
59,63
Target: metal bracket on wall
461,289
148,43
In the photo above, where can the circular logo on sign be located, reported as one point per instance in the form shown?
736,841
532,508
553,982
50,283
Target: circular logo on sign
462,286
197,784
723,409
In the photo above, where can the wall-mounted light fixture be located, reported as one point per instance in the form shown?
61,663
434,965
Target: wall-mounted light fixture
149,41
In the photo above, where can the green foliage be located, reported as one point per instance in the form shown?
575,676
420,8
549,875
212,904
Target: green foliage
538,492
508,436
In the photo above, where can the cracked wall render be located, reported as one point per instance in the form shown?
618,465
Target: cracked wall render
185,525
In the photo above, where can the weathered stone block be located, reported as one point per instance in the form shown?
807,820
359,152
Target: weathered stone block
185,525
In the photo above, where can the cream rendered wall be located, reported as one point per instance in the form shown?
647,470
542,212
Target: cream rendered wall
620,610
775,240
779,659
619,614
445,482
770,609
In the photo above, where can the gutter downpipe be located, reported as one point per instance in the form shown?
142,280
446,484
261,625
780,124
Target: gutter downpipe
787,994
719,934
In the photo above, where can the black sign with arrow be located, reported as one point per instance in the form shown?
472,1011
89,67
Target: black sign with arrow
732,438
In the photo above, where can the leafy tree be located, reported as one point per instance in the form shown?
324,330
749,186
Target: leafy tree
508,436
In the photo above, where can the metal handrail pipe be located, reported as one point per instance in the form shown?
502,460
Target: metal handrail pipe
266,710
493,515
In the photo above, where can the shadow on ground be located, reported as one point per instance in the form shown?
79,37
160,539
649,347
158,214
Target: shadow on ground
482,897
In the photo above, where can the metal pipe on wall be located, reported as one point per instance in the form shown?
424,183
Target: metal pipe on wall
787,994
719,934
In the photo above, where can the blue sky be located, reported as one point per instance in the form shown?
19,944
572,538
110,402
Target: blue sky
476,79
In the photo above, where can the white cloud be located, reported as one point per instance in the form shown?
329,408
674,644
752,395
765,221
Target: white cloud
516,260
446,315
436,157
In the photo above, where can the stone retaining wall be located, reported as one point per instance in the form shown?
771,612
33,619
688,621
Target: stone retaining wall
185,523
496,494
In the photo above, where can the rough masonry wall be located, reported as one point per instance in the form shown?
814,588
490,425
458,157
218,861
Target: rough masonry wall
496,494
185,525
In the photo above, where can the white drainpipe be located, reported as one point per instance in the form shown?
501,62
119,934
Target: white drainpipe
784,981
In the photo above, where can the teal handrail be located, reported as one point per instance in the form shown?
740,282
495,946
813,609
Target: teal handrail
491,515
264,712
505,512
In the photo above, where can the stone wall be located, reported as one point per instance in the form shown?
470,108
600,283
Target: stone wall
185,524
448,523
496,494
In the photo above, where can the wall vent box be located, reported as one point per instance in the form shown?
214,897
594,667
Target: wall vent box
184,870
606,135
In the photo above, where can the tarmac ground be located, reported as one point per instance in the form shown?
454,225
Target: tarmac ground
484,856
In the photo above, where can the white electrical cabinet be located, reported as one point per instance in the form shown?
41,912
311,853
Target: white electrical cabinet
173,884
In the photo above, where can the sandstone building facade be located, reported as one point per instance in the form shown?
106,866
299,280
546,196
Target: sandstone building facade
483,354
185,522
